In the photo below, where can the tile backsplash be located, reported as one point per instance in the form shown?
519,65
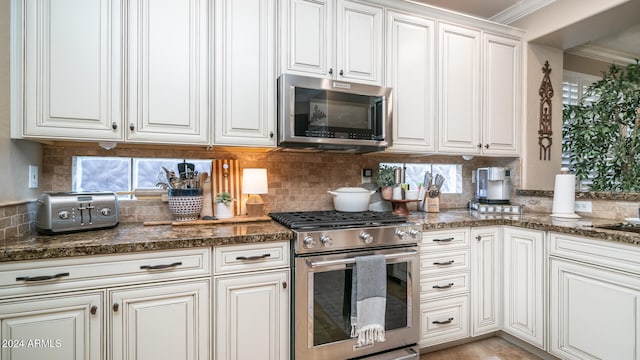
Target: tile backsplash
297,181
17,219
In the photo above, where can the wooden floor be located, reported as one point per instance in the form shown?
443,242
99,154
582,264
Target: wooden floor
493,348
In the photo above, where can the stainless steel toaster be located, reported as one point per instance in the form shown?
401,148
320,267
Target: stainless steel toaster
60,212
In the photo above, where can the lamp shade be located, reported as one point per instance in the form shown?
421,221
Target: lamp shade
254,181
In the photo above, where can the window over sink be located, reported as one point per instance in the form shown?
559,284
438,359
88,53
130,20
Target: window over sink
124,175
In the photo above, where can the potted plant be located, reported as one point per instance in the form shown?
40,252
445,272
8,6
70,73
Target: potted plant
602,133
224,210
385,180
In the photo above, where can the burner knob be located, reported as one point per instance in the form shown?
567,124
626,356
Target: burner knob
366,237
308,242
414,233
401,233
326,240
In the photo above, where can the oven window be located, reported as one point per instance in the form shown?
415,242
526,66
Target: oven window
332,303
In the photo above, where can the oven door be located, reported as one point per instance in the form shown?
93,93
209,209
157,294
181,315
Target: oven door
322,300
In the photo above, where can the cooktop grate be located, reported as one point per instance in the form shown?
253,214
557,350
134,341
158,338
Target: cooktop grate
304,220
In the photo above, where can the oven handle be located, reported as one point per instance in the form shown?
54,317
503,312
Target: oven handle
352,260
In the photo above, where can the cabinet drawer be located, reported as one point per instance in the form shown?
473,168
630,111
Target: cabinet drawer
438,286
441,262
598,252
30,277
444,320
445,240
237,258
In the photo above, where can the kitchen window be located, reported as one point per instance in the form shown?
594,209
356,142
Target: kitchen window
124,175
414,175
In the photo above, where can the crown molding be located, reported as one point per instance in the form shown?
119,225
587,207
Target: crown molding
519,10
603,54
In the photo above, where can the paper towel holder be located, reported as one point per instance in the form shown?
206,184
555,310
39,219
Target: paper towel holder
564,196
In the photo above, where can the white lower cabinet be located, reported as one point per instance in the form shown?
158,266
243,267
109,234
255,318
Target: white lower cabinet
523,281
444,286
138,306
252,316
62,327
252,302
486,281
594,300
160,321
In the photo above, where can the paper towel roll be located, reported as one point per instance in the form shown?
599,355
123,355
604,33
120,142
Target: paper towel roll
564,197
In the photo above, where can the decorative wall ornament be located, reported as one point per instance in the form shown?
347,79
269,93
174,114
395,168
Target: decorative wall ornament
544,131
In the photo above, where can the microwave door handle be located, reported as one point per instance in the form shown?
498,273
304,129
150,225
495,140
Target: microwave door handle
352,260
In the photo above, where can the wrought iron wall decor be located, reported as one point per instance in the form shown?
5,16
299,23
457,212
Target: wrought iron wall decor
544,131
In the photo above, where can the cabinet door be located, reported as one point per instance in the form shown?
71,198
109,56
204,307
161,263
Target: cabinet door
502,96
164,321
486,280
523,284
359,42
594,312
410,72
168,71
252,316
308,36
459,89
65,327
245,77
70,59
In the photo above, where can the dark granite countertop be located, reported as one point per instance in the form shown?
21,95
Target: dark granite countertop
136,237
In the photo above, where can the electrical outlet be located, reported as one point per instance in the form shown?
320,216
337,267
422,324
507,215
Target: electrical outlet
33,177
583,206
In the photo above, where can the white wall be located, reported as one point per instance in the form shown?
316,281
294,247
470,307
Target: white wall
540,174
15,155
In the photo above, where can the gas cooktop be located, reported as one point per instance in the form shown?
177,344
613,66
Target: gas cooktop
308,220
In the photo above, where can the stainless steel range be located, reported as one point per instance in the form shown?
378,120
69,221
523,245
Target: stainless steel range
324,252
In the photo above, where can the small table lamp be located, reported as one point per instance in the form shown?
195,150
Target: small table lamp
254,183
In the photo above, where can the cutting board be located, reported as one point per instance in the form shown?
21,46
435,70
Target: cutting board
233,220
226,177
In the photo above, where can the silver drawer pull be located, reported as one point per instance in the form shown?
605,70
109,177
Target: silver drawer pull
253,258
42,278
443,263
443,240
159,267
443,286
448,321
353,259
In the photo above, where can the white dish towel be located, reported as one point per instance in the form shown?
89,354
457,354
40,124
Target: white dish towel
368,299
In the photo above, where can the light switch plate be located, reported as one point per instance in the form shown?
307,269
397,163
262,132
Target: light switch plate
33,177
583,206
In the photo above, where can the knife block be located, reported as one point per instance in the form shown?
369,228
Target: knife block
432,205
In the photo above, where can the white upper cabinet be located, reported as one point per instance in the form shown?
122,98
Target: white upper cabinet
479,89
76,67
68,52
411,73
245,72
352,53
502,94
459,72
168,87
308,37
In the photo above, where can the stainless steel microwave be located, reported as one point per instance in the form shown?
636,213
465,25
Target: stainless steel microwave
325,114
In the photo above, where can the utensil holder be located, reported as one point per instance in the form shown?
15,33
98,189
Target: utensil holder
185,204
